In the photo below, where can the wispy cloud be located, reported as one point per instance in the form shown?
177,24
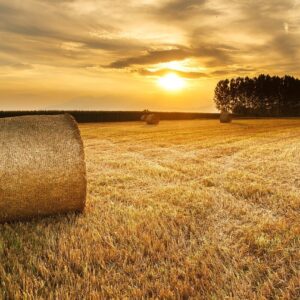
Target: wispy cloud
108,33
217,55
151,57
176,9
162,72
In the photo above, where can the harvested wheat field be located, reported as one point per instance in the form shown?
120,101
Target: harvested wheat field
188,209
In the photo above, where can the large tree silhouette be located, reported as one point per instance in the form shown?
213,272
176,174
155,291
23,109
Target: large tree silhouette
262,96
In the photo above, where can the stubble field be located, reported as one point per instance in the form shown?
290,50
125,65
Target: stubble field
186,209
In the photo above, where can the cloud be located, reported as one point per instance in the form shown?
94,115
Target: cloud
217,54
237,71
180,10
15,65
180,7
37,31
286,45
21,66
151,57
121,35
162,72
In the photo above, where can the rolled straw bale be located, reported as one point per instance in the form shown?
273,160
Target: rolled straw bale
143,117
152,119
42,167
225,117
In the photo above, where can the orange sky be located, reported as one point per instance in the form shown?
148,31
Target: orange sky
111,54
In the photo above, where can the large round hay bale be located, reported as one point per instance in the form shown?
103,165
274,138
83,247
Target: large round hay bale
152,119
225,117
42,167
143,118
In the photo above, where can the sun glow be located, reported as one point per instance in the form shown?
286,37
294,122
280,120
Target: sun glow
172,82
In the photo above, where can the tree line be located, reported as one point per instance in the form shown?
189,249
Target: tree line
111,116
264,95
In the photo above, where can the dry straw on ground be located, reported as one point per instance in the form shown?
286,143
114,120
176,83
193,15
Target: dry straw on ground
183,210
225,117
152,119
42,167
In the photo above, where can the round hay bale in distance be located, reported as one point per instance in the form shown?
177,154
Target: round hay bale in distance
152,119
143,118
42,167
225,117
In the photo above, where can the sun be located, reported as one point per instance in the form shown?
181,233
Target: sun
171,82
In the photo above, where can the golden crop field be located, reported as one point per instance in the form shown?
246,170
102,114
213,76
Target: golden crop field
186,209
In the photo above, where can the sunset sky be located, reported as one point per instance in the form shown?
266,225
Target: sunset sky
118,55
